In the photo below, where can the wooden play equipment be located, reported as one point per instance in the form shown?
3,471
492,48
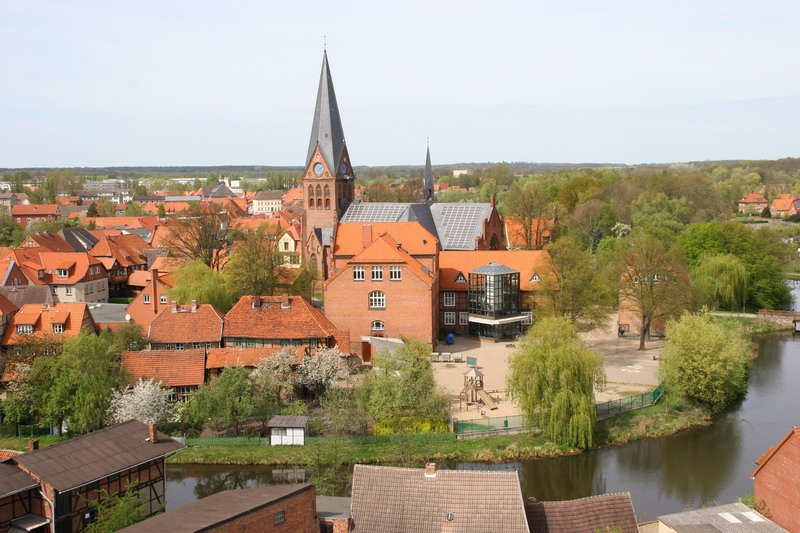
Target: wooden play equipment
473,390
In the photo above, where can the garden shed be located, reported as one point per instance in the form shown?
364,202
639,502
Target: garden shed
287,430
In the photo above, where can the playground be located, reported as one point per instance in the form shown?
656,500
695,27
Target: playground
482,393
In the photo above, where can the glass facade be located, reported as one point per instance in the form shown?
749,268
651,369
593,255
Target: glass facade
494,297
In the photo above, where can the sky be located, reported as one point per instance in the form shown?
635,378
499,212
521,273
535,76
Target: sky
144,83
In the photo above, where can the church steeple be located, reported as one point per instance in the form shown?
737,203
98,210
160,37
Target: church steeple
427,182
327,132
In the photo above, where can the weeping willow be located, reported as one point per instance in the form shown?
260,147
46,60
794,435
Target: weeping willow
722,280
552,377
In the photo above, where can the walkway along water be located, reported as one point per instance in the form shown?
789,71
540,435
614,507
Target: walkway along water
701,466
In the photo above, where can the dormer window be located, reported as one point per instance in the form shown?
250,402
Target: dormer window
58,328
25,329
536,278
62,272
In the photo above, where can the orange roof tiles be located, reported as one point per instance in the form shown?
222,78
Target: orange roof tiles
174,368
412,236
784,203
33,210
526,262
753,198
73,316
52,241
276,317
184,325
7,307
247,357
77,264
143,313
7,454
150,223
126,250
295,194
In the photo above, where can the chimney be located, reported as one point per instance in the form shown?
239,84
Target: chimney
430,470
154,280
33,445
366,235
174,306
194,306
256,302
152,434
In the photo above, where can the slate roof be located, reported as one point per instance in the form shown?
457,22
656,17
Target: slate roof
247,357
326,130
427,180
14,480
79,238
269,195
207,513
27,294
585,515
174,368
184,325
730,518
277,317
388,499
285,421
81,460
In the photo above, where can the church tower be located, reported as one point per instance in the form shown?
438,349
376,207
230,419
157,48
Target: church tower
427,181
328,181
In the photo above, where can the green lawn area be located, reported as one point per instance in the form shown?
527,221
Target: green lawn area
120,300
21,443
752,326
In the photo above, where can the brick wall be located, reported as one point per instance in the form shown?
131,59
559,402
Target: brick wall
777,484
299,513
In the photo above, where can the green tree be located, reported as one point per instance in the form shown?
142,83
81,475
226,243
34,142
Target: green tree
105,208
116,511
255,268
401,395
552,377
705,362
128,338
223,402
135,209
91,211
591,221
162,211
578,289
721,281
196,281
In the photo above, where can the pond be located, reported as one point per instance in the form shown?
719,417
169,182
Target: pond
701,466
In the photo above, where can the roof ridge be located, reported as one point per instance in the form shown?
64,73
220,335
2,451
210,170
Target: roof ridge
73,439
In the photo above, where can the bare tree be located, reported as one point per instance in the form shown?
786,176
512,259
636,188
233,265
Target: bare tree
255,267
202,233
526,203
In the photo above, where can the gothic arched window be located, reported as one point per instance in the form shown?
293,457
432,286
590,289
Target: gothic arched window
310,196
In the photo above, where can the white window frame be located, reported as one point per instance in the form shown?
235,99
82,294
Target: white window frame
58,328
162,299
68,291
146,298
395,273
62,272
378,325
377,273
25,329
377,300
449,299
449,318
358,273
463,318
528,318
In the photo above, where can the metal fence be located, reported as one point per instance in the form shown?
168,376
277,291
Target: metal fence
22,430
351,439
495,423
629,403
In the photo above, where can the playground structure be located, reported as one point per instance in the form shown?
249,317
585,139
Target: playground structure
473,391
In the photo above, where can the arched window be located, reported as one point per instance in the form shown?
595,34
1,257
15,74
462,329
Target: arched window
327,197
377,300
310,196
319,197
378,325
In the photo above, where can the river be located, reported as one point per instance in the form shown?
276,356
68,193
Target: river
697,467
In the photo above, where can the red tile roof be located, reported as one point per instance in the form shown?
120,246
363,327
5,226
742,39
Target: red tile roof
526,262
150,223
33,210
277,317
412,236
73,316
144,313
52,241
605,512
174,368
247,357
184,325
292,195
784,203
7,307
126,250
753,198
7,454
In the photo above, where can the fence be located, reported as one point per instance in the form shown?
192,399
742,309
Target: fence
22,430
351,439
629,403
495,423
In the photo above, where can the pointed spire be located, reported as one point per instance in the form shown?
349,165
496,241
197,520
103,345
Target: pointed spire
427,182
327,131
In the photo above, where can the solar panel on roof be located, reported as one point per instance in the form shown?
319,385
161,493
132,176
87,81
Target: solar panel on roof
460,222
375,212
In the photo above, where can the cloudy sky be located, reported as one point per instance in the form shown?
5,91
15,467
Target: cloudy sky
232,82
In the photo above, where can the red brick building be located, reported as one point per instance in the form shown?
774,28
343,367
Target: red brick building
776,481
182,371
24,214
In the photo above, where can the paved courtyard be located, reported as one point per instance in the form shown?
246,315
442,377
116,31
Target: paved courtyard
628,371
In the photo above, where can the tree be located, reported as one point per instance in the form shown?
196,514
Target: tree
223,402
91,211
577,289
202,234
721,280
401,396
128,338
162,211
525,201
303,284
654,285
705,362
135,209
552,377
256,265
274,375
661,216
196,281
147,401
105,208
591,221
116,511
319,371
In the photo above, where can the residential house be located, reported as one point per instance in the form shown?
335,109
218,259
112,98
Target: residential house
785,205
121,255
491,294
81,239
383,292
21,295
441,500
278,321
24,214
73,474
151,300
182,371
7,311
218,359
183,327
293,196
50,241
267,202
20,502
776,480
9,200
605,512
730,518
52,324
277,508
73,277
11,274
753,204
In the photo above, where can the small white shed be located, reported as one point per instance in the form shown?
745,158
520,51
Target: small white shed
287,430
